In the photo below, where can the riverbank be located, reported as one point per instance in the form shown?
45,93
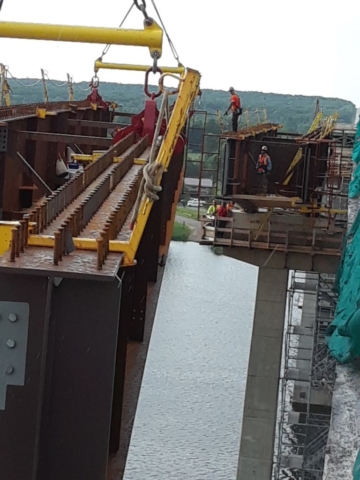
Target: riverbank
193,226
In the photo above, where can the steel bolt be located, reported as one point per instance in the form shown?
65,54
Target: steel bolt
13,317
11,343
9,370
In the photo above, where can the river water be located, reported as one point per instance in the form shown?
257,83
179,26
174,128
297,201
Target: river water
188,421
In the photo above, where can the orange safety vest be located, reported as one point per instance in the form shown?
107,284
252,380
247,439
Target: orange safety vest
262,163
235,102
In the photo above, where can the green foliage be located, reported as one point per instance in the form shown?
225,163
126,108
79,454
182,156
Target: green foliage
294,112
180,233
187,212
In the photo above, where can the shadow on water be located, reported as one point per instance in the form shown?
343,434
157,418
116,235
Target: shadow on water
187,424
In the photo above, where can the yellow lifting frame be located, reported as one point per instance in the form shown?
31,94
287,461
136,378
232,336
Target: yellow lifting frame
134,68
151,36
189,89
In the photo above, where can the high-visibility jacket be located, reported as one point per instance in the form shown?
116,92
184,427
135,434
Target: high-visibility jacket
263,162
235,102
211,210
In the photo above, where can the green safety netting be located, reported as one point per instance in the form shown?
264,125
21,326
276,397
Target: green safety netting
356,470
354,187
343,335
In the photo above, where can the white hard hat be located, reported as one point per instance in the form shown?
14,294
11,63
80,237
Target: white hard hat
264,148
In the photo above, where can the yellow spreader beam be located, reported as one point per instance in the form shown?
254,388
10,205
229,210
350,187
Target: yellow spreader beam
135,68
151,36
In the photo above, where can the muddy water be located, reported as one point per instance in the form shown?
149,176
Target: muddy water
188,420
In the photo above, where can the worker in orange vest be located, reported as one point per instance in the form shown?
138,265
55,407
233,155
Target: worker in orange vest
263,168
235,106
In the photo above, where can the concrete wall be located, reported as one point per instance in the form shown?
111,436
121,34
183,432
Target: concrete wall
261,399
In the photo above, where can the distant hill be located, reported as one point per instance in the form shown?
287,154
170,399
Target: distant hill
294,112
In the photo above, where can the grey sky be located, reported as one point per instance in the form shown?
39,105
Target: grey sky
308,47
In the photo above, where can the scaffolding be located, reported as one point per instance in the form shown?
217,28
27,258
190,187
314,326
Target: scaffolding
204,158
208,153
308,376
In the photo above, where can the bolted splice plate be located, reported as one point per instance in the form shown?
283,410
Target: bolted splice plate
14,323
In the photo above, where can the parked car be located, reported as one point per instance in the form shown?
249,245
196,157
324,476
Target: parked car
195,202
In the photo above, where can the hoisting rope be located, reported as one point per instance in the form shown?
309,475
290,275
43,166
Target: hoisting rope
106,49
141,5
152,170
172,46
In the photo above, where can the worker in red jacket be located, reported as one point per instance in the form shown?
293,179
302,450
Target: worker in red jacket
222,213
235,106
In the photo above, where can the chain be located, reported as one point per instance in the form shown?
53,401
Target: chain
55,84
20,83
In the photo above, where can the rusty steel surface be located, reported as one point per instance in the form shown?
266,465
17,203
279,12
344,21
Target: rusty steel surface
95,205
127,185
18,111
78,264
62,217
251,131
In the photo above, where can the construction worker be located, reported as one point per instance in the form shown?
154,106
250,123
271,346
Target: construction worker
212,209
235,106
222,213
263,168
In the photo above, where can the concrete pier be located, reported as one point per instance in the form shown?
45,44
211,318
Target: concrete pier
260,406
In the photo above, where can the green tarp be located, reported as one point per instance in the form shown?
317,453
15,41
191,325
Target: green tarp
356,470
354,187
343,335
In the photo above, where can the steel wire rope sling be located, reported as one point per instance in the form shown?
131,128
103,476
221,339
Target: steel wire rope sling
99,64
95,79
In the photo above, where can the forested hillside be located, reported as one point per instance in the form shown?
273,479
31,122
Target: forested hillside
294,112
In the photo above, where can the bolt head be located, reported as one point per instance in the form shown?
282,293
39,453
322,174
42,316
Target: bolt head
13,317
11,343
9,370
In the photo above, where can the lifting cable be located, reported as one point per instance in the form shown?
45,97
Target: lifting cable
106,49
172,46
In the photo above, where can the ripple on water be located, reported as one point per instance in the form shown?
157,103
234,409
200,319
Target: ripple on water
188,419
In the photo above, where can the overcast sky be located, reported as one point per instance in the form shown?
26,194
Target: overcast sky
308,47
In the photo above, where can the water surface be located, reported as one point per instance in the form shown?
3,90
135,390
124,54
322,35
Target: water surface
188,419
